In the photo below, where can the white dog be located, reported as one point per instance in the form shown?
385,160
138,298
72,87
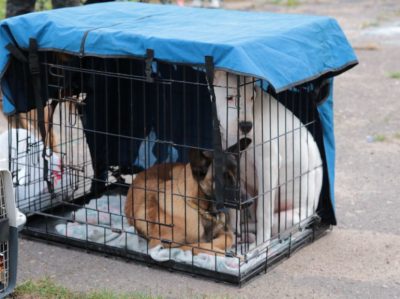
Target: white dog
288,164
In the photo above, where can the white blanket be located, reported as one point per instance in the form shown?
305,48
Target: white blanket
106,224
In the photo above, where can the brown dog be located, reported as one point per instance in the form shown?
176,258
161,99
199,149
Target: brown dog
170,204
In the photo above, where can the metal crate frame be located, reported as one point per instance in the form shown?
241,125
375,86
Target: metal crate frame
283,244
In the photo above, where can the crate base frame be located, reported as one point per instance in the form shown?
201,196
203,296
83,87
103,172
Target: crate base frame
315,231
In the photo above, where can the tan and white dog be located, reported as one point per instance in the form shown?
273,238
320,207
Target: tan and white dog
286,157
29,122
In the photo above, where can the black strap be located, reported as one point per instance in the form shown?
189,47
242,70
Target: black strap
34,68
16,52
149,61
219,156
321,91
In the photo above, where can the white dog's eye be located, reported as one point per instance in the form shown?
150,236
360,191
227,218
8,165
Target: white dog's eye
230,98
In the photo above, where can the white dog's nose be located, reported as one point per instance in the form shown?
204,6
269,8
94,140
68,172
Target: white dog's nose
245,126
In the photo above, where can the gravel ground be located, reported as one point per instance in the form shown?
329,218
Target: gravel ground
360,258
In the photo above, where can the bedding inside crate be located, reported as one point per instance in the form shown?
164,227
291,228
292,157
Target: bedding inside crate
102,221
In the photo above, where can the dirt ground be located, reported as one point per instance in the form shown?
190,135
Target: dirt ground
360,258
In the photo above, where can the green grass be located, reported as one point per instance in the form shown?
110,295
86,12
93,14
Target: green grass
40,5
43,5
43,289
47,289
289,3
369,24
292,2
2,9
379,138
386,119
394,75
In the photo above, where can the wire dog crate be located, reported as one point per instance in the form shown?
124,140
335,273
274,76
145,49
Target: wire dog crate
4,246
183,165
10,222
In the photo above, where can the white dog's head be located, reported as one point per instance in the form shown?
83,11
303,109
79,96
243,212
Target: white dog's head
234,98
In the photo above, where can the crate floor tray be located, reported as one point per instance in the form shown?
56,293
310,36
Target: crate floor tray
100,225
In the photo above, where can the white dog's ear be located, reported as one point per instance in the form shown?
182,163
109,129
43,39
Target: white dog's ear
219,78
218,73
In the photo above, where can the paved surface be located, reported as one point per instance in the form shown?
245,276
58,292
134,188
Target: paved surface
358,259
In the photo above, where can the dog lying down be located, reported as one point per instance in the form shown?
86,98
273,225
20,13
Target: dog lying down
172,204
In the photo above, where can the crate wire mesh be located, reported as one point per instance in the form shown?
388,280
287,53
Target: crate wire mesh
10,221
4,267
132,164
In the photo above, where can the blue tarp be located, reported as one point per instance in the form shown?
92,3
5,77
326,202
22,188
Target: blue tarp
284,50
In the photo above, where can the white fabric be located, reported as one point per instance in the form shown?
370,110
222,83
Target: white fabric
27,168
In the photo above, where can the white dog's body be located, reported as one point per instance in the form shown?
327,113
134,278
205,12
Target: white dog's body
291,167
288,164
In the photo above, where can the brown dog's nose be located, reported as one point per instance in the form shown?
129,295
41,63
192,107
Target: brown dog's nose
245,126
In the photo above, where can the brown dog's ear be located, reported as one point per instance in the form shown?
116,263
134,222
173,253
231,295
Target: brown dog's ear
208,155
200,161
